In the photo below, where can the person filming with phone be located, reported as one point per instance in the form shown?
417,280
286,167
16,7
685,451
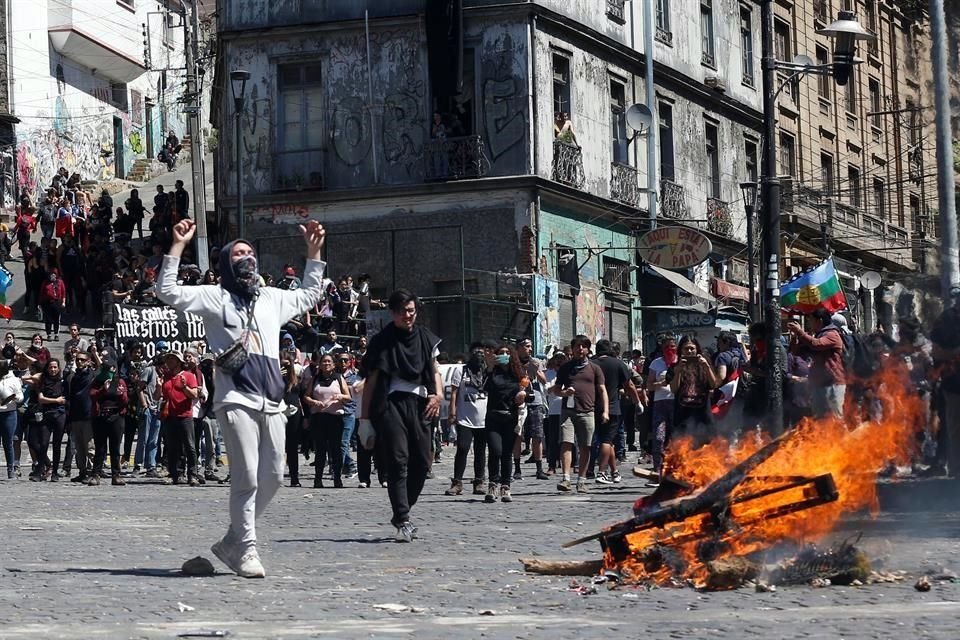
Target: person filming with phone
692,380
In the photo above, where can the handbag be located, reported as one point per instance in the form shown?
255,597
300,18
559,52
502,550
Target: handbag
234,357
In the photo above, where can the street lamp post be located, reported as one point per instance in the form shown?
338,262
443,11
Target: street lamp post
846,32
749,190
238,85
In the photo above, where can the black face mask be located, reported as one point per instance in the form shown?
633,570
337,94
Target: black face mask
476,362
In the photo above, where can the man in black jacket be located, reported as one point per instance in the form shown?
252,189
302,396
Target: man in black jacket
401,398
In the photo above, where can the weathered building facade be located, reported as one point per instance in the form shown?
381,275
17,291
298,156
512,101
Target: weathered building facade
494,214
859,160
91,86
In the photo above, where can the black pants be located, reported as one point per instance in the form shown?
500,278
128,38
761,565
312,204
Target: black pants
51,316
38,438
130,425
107,432
552,432
179,434
57,424
326,429
403,439
365,459
501,434
293,432
466,437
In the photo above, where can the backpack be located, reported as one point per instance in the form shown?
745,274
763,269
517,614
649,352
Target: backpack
849,350
864,361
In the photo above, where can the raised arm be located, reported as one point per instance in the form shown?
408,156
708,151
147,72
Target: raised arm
300,301
199,299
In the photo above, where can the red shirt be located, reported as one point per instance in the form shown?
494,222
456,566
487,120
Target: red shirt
179,403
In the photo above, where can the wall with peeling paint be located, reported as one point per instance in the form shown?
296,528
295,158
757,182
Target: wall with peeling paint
685,54
690,159
67,109
589,110
382,141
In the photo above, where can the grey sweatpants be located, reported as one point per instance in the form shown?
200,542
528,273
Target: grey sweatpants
255,447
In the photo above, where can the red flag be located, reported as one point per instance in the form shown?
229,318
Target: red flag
6,312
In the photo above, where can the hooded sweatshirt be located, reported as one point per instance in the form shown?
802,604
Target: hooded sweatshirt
257,385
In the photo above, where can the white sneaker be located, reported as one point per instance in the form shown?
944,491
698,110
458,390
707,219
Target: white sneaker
603,478
617,479
245,562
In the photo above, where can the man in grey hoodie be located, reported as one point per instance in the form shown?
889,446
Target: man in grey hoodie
248,403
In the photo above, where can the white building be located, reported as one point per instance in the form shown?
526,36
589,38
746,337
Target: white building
91,86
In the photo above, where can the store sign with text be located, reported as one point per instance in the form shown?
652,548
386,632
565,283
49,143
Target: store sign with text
675,248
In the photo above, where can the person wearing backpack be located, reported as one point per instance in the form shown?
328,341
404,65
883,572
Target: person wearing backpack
828,378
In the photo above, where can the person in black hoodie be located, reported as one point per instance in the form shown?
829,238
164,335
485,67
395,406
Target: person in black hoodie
402,393
505,387
79,405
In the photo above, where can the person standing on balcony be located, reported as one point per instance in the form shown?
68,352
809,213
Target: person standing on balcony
563,128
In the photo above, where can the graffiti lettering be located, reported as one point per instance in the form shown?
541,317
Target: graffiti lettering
281,213
504,105
351,131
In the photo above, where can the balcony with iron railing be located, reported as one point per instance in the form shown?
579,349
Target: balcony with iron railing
673,202
624,184
616,10
456,158
719,220
298,170
568,164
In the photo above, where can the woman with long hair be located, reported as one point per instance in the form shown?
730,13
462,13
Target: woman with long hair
505,394
692,383
325,396
291,396
51,402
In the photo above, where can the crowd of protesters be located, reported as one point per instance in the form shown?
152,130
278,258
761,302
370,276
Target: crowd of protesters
575,410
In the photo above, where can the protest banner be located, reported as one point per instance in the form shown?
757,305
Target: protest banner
151,324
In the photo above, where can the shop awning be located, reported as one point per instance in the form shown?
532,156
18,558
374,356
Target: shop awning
681,282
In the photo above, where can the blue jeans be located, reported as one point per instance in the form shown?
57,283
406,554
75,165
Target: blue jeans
146,454
8,426
349,426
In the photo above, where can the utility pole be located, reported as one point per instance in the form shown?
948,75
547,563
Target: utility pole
191,36
651,97
770,184
946,187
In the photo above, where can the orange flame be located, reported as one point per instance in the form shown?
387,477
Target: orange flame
853,451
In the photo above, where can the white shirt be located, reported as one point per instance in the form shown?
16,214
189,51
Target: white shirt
554,403
659,368
10,385
471,401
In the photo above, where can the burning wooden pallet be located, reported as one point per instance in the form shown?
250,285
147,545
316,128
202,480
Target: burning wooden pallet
680,531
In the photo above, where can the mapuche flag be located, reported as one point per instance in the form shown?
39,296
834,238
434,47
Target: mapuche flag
815,288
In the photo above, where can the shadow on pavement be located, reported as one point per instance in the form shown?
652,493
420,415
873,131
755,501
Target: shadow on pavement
140,573
360,540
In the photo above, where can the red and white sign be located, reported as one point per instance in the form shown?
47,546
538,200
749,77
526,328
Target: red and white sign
674,247
728,290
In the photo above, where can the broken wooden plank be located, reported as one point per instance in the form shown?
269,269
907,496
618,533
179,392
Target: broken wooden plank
562,567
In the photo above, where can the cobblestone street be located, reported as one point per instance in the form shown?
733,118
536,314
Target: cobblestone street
103,562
